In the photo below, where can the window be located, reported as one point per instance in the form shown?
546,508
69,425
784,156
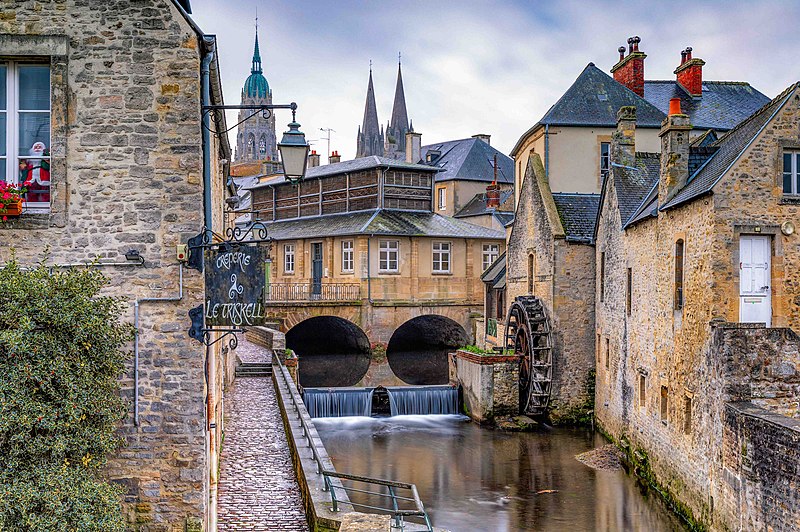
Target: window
605,158
441,195
388,256
664,405
629,292
687,415
347,256
791,172
25,130
288,258
679,274
441,257
597,348
602,275
608,354
490,254
530,273
642,389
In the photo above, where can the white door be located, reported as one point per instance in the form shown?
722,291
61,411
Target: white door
755,299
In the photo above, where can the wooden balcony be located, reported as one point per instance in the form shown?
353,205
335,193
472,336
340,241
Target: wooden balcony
301,292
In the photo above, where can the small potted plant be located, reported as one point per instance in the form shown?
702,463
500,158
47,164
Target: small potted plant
11,198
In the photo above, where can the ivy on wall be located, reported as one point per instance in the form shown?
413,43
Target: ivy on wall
61,357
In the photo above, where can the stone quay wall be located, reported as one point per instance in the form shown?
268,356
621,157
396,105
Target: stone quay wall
489,384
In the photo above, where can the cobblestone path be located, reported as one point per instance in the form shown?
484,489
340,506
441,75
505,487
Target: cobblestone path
257,486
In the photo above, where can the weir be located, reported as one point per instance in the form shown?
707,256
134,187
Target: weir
401,400
338,402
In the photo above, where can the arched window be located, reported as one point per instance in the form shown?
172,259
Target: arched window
251,146
531,267
262,146
679,274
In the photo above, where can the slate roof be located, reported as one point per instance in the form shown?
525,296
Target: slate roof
505,218
578,213
470,160
496,272
595,98
379,222
722,105
728,149
477,205
706,139
353,165
632,186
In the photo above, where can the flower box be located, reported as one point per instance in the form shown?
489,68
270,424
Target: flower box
12,209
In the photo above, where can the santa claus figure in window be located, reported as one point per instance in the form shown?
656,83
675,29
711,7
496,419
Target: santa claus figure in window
35,170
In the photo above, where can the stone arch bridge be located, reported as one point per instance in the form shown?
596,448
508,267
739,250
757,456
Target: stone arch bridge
370,343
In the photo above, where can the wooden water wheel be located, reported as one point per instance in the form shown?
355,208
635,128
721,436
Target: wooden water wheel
528,335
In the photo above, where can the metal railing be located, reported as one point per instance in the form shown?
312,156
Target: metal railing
313,292
398,514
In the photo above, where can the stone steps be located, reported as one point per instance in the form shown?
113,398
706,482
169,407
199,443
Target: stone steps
250,369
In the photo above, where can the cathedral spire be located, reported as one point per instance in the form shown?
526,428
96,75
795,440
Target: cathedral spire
256,68
398,125
370,140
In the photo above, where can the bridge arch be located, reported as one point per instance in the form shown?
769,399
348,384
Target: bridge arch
417,351
332,351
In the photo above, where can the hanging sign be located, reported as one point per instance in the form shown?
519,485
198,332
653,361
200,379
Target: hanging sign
235,282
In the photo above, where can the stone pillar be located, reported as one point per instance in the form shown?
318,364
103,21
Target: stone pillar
674,152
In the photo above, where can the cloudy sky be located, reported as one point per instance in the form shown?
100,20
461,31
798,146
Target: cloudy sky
481,66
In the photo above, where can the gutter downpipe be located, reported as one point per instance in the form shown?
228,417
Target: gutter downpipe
205,80
136,305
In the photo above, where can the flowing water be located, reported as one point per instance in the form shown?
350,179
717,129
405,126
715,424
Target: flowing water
409,400
476,479
338,402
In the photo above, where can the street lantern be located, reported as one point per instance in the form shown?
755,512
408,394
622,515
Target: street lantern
294,153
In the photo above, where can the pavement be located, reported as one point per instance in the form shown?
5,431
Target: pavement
257,488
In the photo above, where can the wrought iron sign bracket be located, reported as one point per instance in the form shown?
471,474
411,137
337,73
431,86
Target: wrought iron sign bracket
234,236
203,334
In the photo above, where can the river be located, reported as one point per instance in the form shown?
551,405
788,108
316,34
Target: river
478,479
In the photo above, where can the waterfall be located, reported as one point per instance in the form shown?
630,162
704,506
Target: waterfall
338,402
420,400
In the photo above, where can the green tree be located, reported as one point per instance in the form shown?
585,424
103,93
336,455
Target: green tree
61,356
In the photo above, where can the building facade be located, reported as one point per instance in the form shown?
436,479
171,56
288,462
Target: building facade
696,310
112,93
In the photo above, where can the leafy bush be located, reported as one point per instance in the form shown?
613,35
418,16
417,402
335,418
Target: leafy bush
60,362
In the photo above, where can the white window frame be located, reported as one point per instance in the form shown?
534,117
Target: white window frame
348,264
288,259
490,254
389,256
11,112
441,198
441,253
793,173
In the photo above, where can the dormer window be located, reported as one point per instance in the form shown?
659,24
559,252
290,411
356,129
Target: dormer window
432,156
791,172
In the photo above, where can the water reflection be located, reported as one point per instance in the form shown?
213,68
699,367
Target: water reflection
473,479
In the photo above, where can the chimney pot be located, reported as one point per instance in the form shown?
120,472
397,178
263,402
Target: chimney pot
621,51
493,196
683,56
688,53
675,106
630,44
629,71
636,41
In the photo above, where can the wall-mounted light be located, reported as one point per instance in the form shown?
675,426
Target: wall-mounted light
787,228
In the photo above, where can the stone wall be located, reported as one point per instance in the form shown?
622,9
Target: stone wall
127,174
761,460
489,384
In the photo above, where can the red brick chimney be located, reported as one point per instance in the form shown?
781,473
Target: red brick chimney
334,158
630,69
690,73
492,196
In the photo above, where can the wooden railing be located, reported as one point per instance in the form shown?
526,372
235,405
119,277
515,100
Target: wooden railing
282,292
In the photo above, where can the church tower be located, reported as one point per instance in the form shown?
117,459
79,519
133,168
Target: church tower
370,138
398,125
256,140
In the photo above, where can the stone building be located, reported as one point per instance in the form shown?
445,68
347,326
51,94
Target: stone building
573,138
256,139
359,248
697,308
550,255
113,91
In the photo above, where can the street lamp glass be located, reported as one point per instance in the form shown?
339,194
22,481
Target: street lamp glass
294,153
